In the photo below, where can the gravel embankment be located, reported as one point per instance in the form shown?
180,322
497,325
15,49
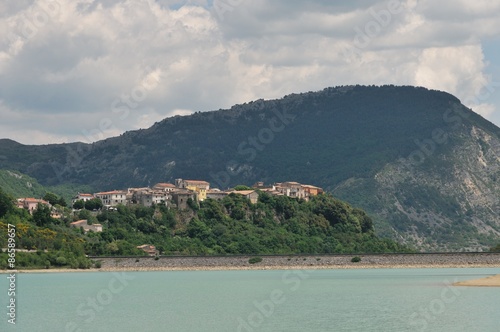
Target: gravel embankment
301,262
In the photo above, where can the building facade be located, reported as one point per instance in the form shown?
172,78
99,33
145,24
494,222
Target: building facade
112,198
30,204
199,187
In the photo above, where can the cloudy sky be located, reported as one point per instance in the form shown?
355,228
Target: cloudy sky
83,70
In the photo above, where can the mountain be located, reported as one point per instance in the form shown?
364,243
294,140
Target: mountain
19,185
425,167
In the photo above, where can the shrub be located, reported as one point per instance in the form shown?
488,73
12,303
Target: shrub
157,258
356,259
254,260
61,261
495,249
83,263
98,264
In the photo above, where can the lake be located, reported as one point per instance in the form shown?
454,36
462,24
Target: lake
251,301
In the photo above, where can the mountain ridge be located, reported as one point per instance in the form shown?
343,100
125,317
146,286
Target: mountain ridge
350,140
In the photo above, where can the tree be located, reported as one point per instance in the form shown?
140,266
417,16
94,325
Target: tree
5,203
79,204
93,204
84,214
51,198
62,202
242,187
41,216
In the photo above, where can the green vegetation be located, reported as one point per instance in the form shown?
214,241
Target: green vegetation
241,187
356,259
93,204
18,185
235,226
495,249
53,199
255,260
275,225
53,242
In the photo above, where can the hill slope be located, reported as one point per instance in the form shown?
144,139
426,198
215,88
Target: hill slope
19,185
424,166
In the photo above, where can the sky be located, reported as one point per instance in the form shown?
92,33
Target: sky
85,70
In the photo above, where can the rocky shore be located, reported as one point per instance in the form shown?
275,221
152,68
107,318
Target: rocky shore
376,261
302,262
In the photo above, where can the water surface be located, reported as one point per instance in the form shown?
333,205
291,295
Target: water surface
251,301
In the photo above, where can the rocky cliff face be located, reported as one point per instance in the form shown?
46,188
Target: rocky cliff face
439,199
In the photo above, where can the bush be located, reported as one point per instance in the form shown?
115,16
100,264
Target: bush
356,259
495,249
254,260
61,261
98,264
83,263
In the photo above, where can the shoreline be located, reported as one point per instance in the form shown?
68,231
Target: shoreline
255,268
492,281
308,262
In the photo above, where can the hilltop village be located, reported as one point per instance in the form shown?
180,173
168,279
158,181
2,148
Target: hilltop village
173,196
177,195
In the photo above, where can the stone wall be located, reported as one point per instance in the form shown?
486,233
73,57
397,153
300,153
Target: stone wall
309,261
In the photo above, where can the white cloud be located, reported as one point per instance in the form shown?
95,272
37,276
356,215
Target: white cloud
86,65
453,69
485,110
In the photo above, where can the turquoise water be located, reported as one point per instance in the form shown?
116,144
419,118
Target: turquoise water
251,301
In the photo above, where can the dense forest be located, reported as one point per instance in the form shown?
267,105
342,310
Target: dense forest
274,225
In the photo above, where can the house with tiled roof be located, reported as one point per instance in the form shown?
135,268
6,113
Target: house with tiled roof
148,197
112,198
30,203
82,197
216,194
164,187
312,190
290,189
199,187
